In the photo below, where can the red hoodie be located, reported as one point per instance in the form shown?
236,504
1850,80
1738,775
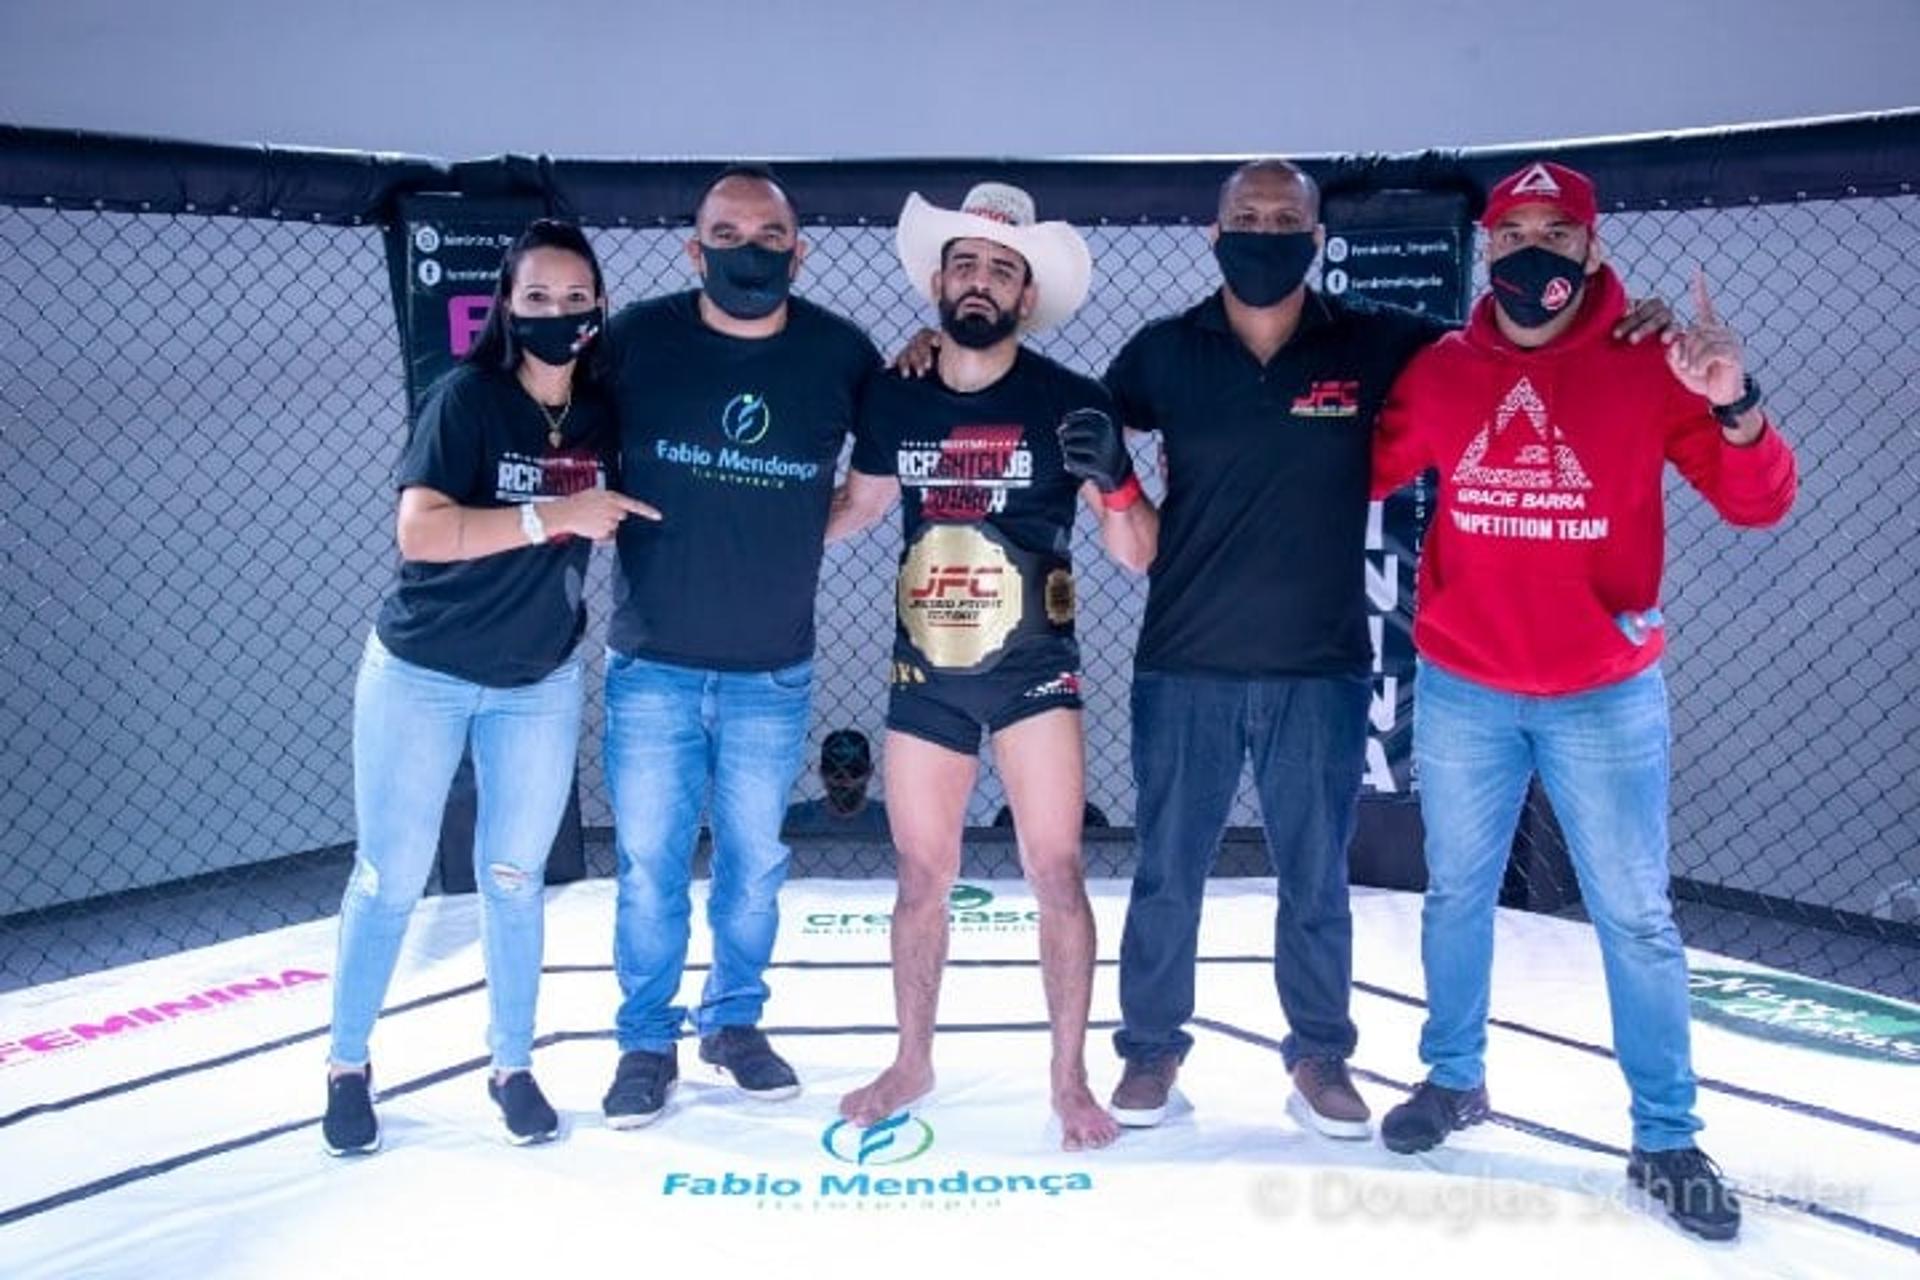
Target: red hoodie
1548,541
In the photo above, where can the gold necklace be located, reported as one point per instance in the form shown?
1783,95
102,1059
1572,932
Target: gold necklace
555,422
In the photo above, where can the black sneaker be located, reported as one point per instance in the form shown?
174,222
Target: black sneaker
1429,1114
1691,1187
642,1083
744,1054
525,1109
350,1127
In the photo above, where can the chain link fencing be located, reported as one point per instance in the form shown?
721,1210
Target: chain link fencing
199,415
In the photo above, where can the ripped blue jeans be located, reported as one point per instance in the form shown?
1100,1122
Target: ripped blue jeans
410,725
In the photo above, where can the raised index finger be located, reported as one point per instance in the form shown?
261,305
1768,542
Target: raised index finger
1703,312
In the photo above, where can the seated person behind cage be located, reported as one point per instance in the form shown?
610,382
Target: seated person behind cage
846,766
1540,634
992,453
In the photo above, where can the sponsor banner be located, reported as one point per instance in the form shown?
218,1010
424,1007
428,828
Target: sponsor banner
444,256
1424,268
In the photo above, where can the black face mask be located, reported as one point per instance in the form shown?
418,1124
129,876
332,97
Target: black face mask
974,330
556,340
747,281
1263,269
1535,285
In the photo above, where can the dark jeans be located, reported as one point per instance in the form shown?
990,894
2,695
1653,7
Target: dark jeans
1307,739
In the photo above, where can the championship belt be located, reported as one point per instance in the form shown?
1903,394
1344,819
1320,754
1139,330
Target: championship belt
964,595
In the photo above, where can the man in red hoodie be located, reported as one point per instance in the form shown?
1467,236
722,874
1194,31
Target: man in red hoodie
1540,633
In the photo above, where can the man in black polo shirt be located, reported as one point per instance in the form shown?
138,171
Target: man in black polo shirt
1255,639
734,401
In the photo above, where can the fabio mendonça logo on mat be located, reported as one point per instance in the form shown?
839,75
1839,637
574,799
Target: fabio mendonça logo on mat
897,1139
866,1176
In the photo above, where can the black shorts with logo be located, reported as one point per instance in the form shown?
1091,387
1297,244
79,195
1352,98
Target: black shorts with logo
951,710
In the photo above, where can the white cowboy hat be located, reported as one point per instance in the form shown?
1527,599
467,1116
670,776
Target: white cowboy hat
1062,266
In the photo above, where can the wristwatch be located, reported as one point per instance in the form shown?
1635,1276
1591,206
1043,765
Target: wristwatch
530,524
1728,415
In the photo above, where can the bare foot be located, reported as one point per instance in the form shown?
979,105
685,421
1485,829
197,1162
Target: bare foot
1084,1123
891,1090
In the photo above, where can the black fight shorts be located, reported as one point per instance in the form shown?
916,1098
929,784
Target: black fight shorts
952,710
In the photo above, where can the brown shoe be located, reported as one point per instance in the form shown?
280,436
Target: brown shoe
1325,1099
1140,1099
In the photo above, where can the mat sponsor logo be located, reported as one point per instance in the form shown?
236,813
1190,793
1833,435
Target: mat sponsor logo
896,1140
899,1138
1808,1014
970,909
968,897
112,1026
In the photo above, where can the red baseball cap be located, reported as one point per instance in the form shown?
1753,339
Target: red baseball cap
1544,182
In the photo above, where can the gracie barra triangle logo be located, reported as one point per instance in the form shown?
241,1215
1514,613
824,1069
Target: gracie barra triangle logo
1536,181
1537,459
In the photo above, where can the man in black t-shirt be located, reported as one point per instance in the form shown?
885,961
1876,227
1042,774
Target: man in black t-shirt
991,453
734,401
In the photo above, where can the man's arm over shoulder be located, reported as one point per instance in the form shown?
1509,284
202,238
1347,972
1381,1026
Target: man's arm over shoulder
852,349
1401,448
629,330
1401,332
872,485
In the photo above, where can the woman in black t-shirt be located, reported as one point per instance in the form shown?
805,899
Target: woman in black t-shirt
502,493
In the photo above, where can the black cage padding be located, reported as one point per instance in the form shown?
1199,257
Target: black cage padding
1865,155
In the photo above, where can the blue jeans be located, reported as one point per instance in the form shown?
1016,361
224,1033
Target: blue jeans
677,739
1603,758
410,725
1191,735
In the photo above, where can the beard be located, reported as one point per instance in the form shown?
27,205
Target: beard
976,330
